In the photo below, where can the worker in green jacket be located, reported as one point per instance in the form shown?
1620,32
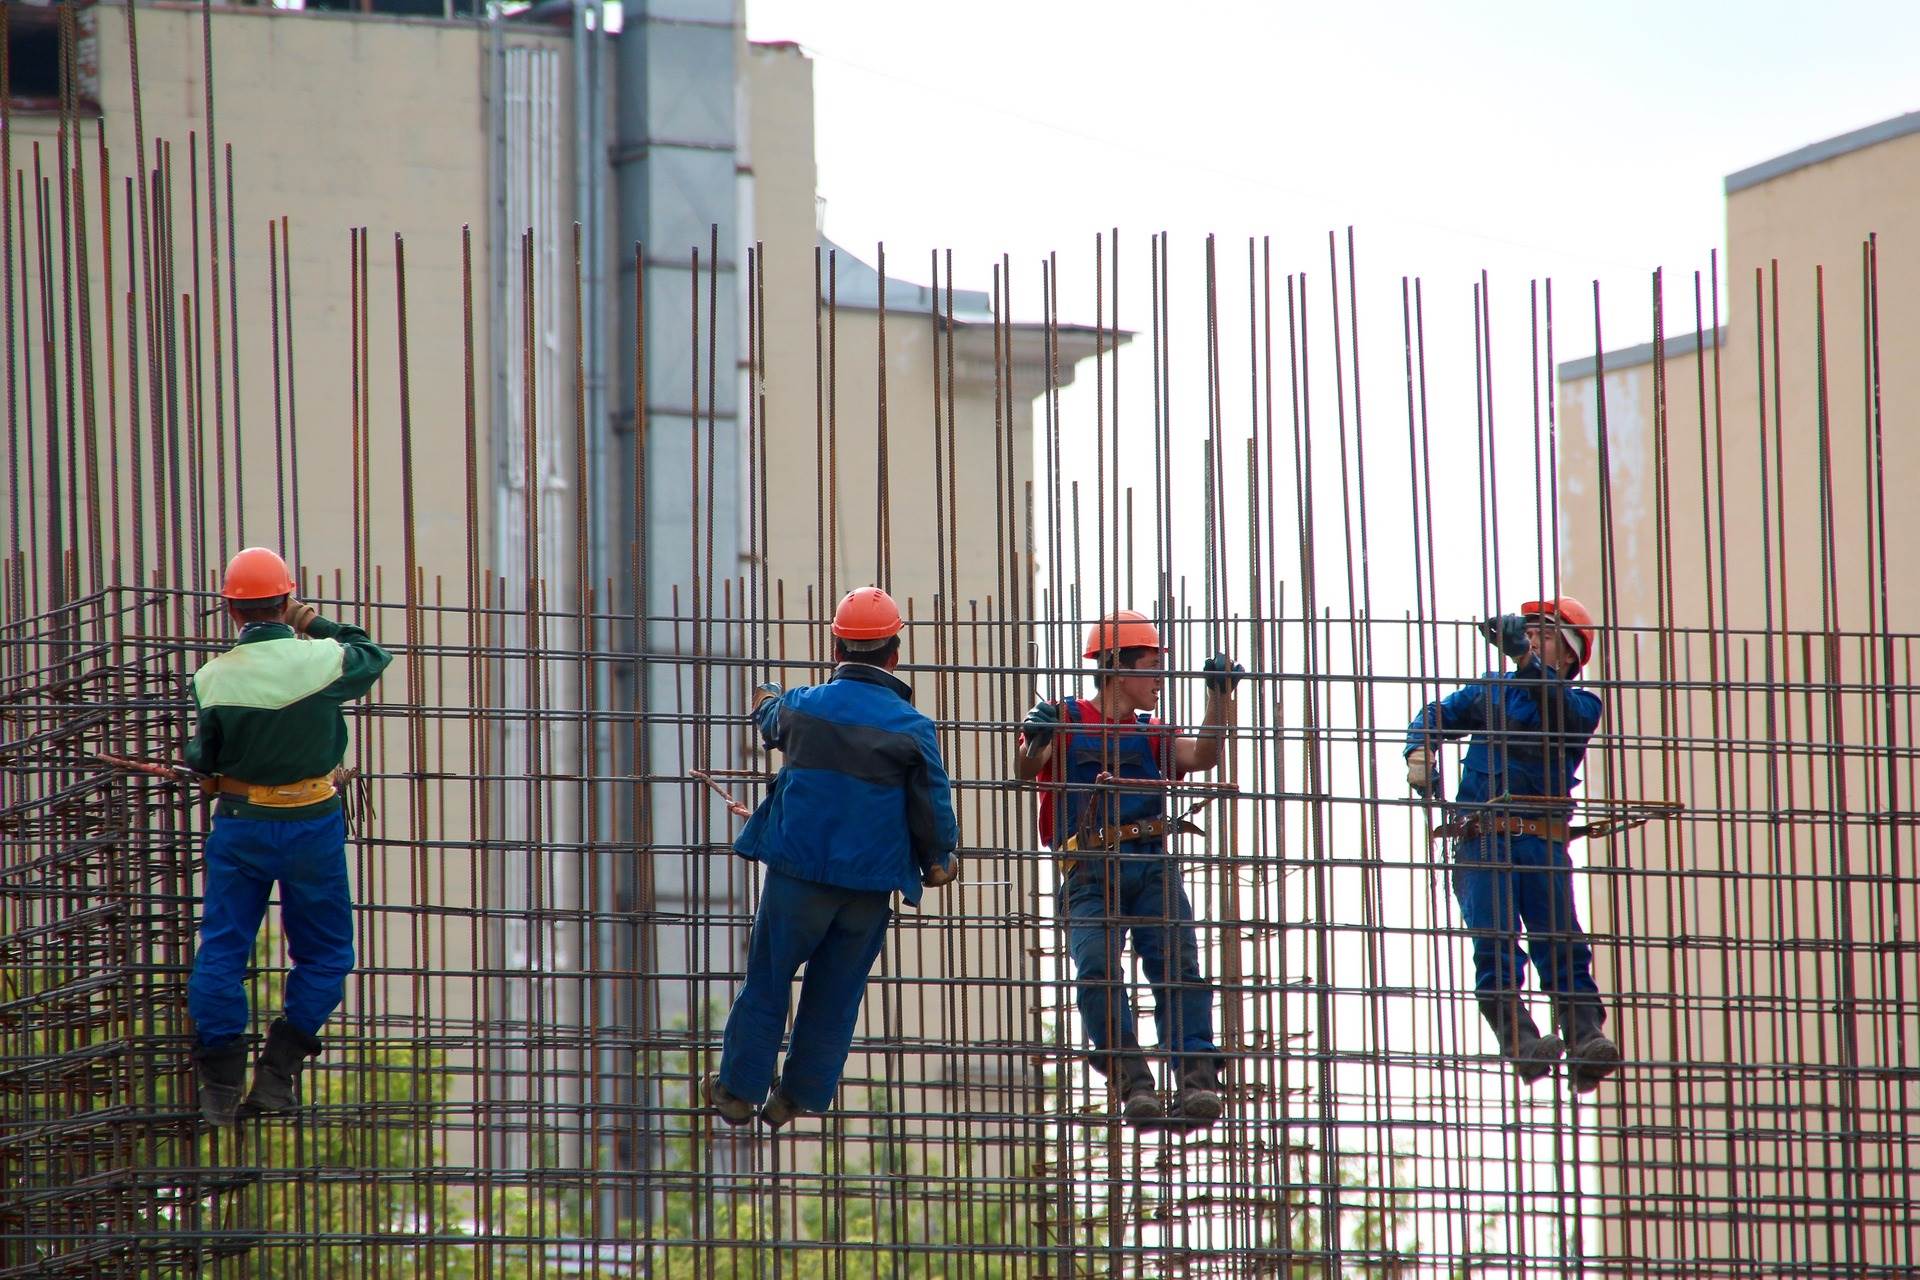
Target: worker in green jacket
270,734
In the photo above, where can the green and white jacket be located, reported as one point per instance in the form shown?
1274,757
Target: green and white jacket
269,708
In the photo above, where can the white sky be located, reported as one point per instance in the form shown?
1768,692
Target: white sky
1578,141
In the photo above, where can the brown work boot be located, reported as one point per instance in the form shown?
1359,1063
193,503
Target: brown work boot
1521,1043
1199,1099
1591,1056
780,1109
1139,1100
727,1104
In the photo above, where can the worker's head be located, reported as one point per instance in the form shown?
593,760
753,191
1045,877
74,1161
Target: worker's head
256,586
884,654
1122,643
1130,679
866,629
1562,632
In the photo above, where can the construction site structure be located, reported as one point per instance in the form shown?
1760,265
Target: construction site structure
584,551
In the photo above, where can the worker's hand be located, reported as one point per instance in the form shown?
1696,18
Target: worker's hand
299,615
1223,673
761,692
1041,724
944,872
1508,633
1423,775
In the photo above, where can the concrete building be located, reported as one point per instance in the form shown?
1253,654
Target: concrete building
1752,532
415,128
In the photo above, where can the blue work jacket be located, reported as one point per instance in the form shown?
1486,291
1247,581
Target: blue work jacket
862,800
1529,731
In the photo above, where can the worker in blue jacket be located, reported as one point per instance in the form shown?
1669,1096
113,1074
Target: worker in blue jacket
1529,729
860,810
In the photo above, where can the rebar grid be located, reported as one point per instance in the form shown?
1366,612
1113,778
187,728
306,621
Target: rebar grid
550,922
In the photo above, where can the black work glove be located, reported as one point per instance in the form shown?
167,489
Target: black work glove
1508,633
1042,723
1223,673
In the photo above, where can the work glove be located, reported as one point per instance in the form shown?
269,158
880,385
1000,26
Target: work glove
1508,633
300,615
761,692
1042,723
944,872
1423,774
1223,673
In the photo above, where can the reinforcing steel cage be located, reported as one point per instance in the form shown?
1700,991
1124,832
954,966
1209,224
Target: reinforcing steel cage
550,922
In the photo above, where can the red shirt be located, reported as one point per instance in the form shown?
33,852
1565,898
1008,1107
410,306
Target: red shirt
1088,720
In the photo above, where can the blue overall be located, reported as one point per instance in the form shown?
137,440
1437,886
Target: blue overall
837,934
245,857
860,809
1134,889
1529,731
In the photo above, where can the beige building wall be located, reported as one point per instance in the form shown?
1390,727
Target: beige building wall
338,121
1748,981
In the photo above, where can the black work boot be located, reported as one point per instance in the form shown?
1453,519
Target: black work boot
1590,1054
219,1073
1521,1043
1139,1100
1199,1098
730,1106
276,1072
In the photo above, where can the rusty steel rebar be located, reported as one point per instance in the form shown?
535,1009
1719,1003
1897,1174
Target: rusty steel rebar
550,922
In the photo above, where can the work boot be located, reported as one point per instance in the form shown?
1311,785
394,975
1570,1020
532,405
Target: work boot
1521,1043
276,1072
1199,1098
780,1108
1591,1056
730,1106
218,1074
1139,1100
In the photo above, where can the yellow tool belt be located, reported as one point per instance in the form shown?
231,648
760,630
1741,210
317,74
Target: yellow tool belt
285,795
1504,825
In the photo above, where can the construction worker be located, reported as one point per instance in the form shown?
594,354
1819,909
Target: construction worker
861,809
270,734
1119,874
1529,729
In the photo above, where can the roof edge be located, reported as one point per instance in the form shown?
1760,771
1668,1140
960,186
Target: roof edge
1831,149
1631,357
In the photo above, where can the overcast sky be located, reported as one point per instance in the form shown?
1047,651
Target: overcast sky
1578,141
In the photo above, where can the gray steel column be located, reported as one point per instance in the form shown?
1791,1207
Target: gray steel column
674,178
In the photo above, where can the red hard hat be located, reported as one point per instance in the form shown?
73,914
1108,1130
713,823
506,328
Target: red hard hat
866,613
256,574
1569,613
1121,629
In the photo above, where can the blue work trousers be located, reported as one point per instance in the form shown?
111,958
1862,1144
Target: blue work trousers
245,857
837,934
1104,900
1505,882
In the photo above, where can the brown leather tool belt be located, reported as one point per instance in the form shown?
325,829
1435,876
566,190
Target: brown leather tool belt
1125,833
286,795
1499,824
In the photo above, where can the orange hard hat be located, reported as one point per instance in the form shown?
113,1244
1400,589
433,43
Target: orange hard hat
1121,629
256,574
1570,613
866,613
